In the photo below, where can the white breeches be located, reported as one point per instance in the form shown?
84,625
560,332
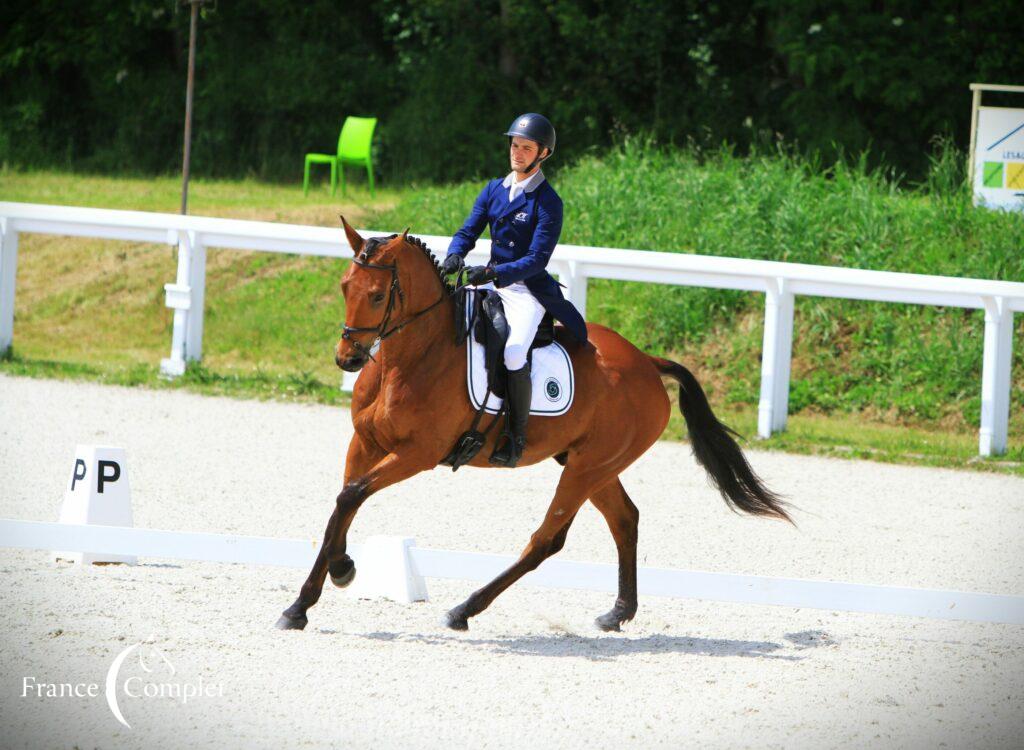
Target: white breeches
523,313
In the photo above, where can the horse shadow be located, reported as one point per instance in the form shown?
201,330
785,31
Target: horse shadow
609,648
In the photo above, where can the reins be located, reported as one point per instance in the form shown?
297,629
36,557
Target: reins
381,330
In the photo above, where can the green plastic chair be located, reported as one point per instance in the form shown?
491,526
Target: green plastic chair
353,148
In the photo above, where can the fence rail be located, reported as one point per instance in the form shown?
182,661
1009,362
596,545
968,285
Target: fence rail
560,574
574,265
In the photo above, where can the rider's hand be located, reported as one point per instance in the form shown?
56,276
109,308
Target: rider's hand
452,264
480,275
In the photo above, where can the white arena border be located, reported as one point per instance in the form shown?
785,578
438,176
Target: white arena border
474,566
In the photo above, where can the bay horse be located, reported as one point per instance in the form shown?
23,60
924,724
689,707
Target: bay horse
410,405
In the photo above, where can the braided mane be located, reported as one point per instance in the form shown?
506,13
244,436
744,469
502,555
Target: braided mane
448,286
373,244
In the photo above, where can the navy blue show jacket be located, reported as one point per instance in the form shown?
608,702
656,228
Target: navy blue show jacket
523,236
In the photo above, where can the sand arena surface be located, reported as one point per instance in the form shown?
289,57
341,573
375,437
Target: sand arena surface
532,670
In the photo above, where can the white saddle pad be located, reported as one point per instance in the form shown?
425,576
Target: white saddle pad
551,374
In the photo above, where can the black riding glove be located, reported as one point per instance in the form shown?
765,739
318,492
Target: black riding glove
480,275
452,264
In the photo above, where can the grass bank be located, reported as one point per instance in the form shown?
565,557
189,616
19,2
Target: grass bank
889,382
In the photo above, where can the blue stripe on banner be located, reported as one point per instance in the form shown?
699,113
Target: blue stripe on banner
1005,137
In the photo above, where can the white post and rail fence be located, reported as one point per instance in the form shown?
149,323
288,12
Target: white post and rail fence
574,265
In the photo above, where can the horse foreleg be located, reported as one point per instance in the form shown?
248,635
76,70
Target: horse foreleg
572,492
294,618
391,469
360,460
623,519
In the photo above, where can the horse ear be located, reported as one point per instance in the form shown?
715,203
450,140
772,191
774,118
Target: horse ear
405,234
353,237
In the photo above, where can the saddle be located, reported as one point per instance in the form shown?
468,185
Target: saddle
489,327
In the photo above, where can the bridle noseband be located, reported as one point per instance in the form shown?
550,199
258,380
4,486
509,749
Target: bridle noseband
382,329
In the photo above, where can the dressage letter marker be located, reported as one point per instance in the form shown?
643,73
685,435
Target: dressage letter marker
97,493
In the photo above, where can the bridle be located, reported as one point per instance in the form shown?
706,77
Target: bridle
381,330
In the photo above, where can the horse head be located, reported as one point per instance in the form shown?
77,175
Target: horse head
386,287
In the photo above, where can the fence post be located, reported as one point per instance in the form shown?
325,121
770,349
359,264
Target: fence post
576,291
776,355
196,313
8,272
995,377
185,297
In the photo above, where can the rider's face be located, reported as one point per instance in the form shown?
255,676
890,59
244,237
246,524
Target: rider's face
522,152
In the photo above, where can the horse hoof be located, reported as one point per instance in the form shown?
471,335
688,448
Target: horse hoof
609,623
342,572
455,620
286,622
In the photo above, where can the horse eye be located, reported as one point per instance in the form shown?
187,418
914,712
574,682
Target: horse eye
378,298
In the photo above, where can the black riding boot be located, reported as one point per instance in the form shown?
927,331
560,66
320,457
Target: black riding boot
519,392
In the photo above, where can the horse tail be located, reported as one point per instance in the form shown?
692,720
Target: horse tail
716,450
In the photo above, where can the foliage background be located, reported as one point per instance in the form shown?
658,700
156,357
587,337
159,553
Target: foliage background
830,133
99,85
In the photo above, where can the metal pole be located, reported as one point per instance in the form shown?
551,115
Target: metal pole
188,104
975,105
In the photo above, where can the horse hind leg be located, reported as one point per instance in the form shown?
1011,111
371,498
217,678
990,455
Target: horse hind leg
548,539
623,519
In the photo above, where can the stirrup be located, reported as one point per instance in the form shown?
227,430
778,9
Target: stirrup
508,452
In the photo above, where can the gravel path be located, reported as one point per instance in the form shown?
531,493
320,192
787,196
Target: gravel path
532,670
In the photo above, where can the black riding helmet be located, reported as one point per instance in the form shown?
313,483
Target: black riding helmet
537,128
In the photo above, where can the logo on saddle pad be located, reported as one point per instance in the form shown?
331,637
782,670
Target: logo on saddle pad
521,217
552,389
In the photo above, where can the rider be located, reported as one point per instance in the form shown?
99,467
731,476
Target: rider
525,217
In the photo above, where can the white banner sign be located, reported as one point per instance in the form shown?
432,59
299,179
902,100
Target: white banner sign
999,158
